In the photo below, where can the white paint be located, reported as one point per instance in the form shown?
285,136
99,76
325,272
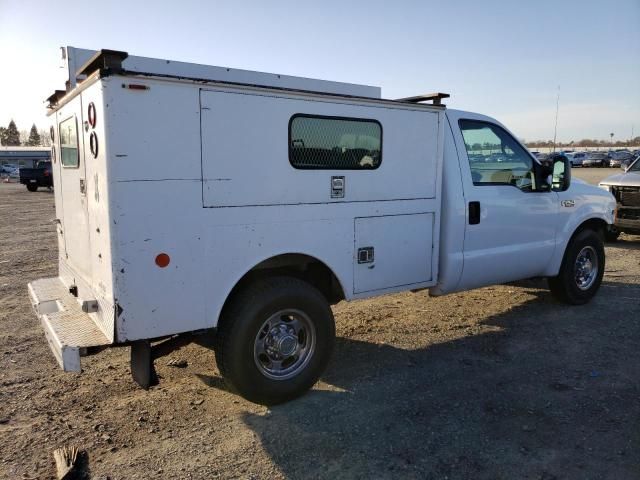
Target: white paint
201,172
402,253
241,130
77,57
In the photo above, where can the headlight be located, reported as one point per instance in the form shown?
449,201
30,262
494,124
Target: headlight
605,187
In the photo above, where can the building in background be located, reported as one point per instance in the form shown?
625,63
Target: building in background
24,156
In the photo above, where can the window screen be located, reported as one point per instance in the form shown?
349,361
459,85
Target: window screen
331,143
69,143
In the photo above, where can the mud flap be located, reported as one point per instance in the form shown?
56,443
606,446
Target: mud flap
142,369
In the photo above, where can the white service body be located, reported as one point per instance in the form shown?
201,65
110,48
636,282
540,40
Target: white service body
200,171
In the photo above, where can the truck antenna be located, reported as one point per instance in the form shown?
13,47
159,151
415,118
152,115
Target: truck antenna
555,129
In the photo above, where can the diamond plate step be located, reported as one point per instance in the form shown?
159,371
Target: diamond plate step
68,329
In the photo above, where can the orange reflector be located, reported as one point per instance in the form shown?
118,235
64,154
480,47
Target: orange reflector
162,260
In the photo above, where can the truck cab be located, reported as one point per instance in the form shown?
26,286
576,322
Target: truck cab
519,214
275,198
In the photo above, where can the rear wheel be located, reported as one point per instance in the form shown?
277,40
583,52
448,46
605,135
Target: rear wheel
274,339
31,187
581,271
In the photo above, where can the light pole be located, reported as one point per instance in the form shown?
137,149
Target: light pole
611,135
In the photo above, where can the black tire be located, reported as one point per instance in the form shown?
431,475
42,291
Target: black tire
565,286
243,322
32,188
612,235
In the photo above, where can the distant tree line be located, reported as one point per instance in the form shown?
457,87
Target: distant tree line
585,142
10,136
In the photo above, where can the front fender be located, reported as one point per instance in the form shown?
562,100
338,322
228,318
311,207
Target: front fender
591,206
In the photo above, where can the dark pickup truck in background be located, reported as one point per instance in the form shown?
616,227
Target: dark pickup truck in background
40,176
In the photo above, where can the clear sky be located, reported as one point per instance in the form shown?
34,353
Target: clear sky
503,58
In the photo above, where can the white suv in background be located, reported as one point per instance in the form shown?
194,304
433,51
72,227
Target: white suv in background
576,158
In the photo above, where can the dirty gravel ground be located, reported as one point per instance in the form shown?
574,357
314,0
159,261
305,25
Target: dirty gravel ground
501,382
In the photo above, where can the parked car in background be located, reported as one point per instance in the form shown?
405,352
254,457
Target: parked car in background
577,158
596,159
625,187
621,156
40,176
8,168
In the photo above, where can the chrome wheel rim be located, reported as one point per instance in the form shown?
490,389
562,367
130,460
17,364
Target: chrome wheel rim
284,344
586,268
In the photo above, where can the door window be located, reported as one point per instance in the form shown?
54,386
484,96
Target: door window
69,143
495,157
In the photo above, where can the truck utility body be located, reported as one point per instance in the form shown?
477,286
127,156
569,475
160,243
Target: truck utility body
200,199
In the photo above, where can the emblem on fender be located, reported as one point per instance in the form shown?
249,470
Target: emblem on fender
568,203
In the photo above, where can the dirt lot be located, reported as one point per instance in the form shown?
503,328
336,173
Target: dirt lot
501,382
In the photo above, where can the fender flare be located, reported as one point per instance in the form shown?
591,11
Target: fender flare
570,230
216,310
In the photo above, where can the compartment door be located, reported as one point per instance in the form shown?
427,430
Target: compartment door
392,251
246,151
73,188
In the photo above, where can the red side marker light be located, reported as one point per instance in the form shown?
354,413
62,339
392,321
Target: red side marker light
162,260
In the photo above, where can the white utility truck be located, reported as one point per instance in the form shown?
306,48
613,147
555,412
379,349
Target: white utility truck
196,201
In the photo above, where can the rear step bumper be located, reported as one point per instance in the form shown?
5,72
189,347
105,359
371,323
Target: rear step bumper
68,329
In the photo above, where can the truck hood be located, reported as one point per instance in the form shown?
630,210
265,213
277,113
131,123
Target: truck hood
631,179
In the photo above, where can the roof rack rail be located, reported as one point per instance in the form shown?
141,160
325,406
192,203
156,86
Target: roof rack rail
107,61
55,97
436,98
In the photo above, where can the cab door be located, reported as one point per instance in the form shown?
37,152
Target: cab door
73,189
511,223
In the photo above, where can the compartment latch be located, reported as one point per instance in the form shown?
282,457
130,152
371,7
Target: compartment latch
337,187
365,255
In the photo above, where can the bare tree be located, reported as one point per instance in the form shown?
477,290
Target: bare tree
24,137
45,139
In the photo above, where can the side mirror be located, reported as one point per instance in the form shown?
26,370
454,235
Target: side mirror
561,176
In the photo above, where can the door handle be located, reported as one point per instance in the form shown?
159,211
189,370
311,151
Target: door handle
474,213
83,187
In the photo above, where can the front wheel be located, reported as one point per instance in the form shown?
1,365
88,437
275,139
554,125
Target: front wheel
581,271
274,339
31,187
